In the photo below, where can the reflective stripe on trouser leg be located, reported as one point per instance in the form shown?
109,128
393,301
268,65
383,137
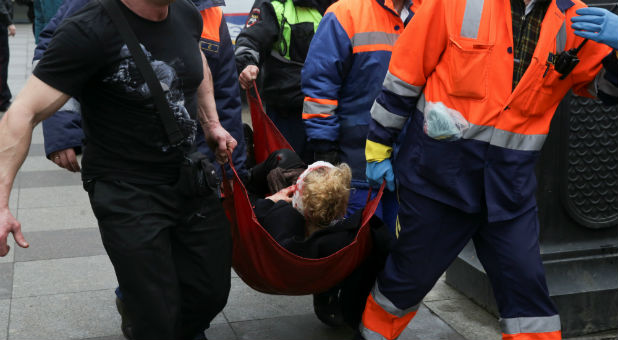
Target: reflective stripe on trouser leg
510,253
382,320
531,328
432,234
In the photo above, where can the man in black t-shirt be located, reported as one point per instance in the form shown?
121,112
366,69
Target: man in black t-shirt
171,250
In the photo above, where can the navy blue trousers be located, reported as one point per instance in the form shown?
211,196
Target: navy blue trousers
432,235
387,209
290,124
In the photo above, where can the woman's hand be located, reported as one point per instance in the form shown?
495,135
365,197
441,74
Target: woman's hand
283,195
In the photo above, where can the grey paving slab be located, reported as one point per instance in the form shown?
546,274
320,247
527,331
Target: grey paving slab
38,163
57,218
466,318
427,325
6,280
61,196
65,316
46,245
17,58
219,319
63,276
16,86
5,306
221,332
37,135
299,327
9,258
610,335
53,177
13,200
16,76
442,291
245,303
112,337
36,150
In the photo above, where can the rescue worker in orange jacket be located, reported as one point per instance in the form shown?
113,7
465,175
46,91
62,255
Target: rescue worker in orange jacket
474,85
341,82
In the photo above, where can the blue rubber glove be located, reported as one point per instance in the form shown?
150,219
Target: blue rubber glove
597,24
377,172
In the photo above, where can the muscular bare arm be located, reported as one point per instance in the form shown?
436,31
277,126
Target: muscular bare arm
217,137
35,102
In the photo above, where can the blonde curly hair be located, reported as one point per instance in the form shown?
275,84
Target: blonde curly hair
325,196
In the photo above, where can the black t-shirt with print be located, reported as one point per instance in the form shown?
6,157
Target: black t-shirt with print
88,60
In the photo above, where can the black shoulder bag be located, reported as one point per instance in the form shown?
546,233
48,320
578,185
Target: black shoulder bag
197,175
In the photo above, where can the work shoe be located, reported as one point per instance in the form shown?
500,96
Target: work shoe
357,335
200,336
125,324
327,308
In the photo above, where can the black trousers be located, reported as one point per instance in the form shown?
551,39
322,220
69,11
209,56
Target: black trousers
171,253
5,93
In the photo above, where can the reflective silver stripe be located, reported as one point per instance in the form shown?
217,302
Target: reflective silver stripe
497,137
536,324
517,141
387,118
388,306
317,108
472,19
479,132
400,87
368,334
420,104
561,38
374,38
604,85
253,53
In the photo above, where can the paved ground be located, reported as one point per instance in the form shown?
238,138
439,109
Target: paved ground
62,287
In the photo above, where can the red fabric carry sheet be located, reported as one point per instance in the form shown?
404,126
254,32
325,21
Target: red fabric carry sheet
258,259
266,136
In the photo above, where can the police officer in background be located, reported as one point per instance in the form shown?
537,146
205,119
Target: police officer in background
277,37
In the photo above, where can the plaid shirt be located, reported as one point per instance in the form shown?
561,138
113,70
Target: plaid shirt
526,31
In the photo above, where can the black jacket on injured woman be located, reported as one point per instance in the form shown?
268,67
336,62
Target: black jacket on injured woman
289,228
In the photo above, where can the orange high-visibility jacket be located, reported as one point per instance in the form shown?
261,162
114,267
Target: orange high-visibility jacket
460,54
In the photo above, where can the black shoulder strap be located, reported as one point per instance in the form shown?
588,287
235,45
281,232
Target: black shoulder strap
145,68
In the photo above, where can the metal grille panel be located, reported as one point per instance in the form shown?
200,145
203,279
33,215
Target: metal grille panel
592,163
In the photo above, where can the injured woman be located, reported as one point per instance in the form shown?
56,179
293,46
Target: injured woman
306,217
306,213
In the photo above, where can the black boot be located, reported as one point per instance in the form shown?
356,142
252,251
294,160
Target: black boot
327,308
125,323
